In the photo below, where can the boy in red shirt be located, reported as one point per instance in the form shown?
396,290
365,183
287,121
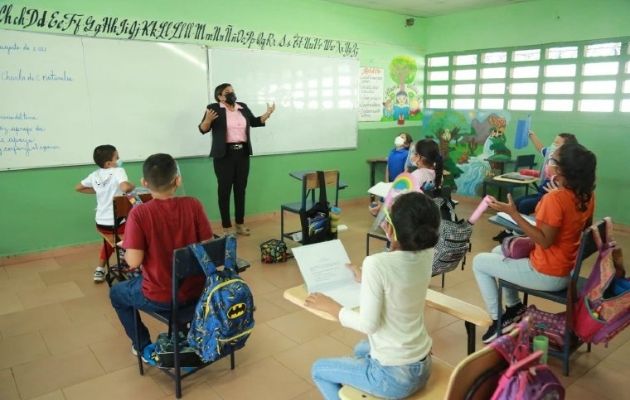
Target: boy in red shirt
154,229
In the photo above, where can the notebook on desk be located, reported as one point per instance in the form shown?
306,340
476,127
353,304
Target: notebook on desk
516,176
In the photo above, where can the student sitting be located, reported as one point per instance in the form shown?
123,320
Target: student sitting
395,163
561,216
395,361
154,230
105,182
527,204
430,166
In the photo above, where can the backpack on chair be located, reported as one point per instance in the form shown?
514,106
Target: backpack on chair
454,240
224,316
315,221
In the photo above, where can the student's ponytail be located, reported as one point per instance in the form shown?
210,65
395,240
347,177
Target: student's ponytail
430,150
439,171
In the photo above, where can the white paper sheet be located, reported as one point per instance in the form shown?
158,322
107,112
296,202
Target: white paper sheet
323,267
380,189
505,216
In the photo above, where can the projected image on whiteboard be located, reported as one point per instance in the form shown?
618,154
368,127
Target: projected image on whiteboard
316,97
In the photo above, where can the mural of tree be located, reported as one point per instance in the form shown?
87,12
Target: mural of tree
402,70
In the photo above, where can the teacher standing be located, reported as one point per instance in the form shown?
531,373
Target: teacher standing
229,122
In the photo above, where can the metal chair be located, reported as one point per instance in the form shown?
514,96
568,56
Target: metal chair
185,266
566,296
310,185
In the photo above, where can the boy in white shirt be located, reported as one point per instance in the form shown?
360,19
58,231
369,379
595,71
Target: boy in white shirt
105,182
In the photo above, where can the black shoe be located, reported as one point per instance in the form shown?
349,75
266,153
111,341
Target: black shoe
502,235
491,333
515,313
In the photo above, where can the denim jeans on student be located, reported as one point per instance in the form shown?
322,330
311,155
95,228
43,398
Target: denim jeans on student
368,375
124,297
487,267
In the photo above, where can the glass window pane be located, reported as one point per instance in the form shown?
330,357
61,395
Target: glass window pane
464,89
491,104
556,53
522,104
603,68
494,57
560,70
438,61
559,88
438,89
525,72
526,55
463,104
628,67
437,103
466,59
493,73
557,105
438,75
602,49
596,105
626,86
524,88
465,74
493,88
625,105
599,87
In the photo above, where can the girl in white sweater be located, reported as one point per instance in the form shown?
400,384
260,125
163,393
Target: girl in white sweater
395,361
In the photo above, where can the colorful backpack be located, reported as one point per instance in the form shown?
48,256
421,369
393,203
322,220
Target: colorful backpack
603,308
224,316
525,378
273,251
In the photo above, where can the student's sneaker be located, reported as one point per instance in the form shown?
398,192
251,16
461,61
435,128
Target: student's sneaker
148,355
502,235
511,316
99,275
515,313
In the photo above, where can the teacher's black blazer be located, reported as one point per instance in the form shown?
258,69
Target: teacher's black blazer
219,128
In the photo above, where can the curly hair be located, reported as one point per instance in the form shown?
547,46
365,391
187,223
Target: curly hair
577,165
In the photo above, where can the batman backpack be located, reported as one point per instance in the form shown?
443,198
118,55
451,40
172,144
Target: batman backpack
224,316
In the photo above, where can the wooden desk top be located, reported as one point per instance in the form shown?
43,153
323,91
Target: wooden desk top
377,160
436,300
503,178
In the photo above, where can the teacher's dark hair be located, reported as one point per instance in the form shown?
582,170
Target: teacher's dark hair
160,171
219,89
103,153
577,165
416,219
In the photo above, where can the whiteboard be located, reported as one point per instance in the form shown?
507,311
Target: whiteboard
316,97
61,96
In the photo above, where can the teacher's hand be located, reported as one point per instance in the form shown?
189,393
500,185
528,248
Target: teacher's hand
210,116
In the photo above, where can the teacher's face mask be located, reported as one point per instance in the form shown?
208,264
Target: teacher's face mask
230,98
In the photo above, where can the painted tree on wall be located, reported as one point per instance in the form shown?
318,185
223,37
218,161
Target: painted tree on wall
403,70
402,101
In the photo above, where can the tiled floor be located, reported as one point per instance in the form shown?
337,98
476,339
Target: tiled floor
60,339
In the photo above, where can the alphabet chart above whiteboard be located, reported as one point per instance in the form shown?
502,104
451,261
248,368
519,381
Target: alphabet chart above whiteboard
316,97
62,96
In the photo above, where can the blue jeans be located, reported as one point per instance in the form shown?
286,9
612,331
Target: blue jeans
487,267
527,204
368,375
124,297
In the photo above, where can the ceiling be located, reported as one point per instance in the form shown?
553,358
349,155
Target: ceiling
426,8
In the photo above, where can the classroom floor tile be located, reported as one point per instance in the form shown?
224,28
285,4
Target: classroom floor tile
71,344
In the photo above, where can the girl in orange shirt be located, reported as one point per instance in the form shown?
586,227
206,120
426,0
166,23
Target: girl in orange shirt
560,218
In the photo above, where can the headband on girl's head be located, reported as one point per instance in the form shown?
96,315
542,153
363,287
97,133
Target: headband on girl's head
404,183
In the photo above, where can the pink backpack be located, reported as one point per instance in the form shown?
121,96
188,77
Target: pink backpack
603,307
525,378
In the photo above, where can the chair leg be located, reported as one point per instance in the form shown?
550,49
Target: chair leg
525,298
470,333
281,224
176,361
588,347
232,360
443,280
499,309
136,317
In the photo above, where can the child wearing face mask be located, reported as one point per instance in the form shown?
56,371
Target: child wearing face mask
527,204
395,360
395,163
105,182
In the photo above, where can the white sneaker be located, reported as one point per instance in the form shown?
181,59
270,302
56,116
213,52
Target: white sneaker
99,275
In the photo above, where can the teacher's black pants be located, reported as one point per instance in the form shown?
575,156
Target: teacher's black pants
232,171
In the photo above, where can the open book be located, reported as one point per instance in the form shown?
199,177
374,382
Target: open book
380,189
323,267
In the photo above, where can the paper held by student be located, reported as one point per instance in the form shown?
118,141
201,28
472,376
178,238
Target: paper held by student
505,216
380,189
323,267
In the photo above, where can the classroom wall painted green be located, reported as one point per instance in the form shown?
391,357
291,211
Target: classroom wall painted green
549,21
40,209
